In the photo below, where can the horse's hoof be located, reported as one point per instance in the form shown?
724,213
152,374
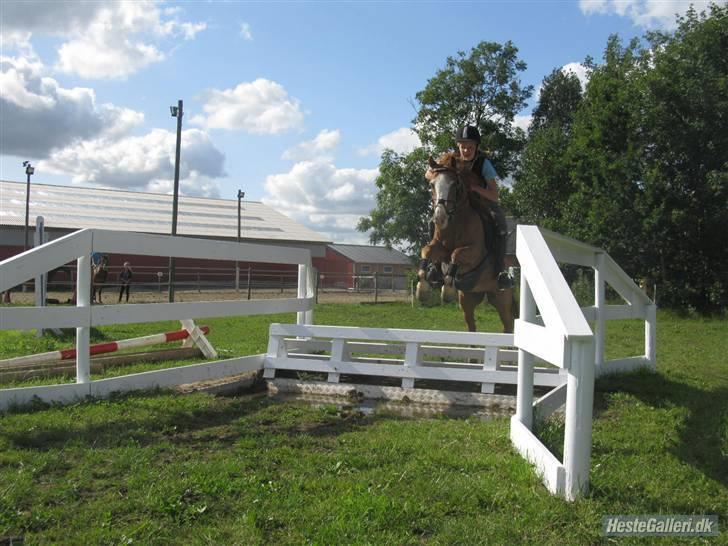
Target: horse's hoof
423,291
448,293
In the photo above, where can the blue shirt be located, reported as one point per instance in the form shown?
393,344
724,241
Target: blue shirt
488,171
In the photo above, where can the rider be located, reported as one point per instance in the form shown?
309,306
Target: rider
484,184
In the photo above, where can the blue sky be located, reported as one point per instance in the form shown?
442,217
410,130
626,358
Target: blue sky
291,102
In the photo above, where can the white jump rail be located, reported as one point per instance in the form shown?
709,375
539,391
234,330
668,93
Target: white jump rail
484,359
79,246
562,336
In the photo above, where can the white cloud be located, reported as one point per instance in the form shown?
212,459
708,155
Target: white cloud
644,13
39,115
144,163
323,197
261,107
523,122
106,39
245,32
402,141
579,71
326,141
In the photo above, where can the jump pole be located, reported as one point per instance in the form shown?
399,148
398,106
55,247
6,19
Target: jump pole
100,348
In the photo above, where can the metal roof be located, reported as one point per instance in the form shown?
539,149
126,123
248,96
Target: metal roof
372,254
72,207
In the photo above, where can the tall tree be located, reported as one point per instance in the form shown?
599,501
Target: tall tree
481,88
542,181
403,202
647,162
686,161
605,158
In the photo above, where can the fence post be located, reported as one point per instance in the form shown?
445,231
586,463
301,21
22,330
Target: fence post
578,418
40,280
650,334
249,271
83,333
376,288
305,290
599,303
524,394
318,283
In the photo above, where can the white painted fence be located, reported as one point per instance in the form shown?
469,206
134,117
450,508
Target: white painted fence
553,327
83,316
404,355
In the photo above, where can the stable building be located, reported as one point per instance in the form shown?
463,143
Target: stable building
356,266
66,209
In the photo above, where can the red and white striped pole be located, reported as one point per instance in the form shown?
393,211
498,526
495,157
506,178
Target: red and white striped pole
101,348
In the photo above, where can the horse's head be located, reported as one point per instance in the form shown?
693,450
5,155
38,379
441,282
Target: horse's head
447,190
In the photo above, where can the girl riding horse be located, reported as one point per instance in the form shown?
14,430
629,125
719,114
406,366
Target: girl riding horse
459,245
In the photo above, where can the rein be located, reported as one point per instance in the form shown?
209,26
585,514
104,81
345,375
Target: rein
444,202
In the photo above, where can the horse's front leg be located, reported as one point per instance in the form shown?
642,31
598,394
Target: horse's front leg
433,253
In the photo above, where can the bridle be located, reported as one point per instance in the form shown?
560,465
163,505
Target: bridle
445,202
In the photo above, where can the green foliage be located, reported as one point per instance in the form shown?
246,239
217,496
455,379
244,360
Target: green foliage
642,167
403,202
543,177
481,88
560,97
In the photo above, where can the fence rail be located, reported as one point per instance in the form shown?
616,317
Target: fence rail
80,245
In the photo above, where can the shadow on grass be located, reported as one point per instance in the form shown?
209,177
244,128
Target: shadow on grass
700,436
226,421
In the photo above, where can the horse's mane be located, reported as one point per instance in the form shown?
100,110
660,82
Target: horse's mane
449,159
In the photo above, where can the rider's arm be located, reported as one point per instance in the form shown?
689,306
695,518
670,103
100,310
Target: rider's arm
490,190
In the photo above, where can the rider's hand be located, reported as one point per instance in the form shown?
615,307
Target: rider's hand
429,174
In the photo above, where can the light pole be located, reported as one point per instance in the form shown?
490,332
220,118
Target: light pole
241,195
29,170
176,112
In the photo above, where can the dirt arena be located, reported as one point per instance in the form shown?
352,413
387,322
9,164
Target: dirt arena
111,296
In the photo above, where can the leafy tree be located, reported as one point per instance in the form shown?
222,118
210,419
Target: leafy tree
559,98
543,184
686,160
644,164
403,202
480,88
605,157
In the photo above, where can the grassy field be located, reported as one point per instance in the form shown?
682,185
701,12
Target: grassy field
160,468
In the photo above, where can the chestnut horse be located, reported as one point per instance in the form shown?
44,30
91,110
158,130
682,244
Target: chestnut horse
99,275
459,241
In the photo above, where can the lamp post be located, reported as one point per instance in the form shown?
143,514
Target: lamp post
241,195
29,170
176,112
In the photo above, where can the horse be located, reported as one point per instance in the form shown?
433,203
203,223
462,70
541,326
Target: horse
99,274
458,245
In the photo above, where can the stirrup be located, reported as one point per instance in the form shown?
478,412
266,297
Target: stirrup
505,281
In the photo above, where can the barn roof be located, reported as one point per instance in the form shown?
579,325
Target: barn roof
372,254
72,207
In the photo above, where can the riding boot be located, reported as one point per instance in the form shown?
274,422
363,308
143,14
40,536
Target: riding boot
504,279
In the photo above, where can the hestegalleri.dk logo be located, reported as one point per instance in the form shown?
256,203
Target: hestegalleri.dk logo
658,525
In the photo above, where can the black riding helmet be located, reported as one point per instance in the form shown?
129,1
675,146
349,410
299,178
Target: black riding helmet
468,133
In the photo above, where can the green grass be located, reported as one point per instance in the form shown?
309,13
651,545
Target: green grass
160,468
